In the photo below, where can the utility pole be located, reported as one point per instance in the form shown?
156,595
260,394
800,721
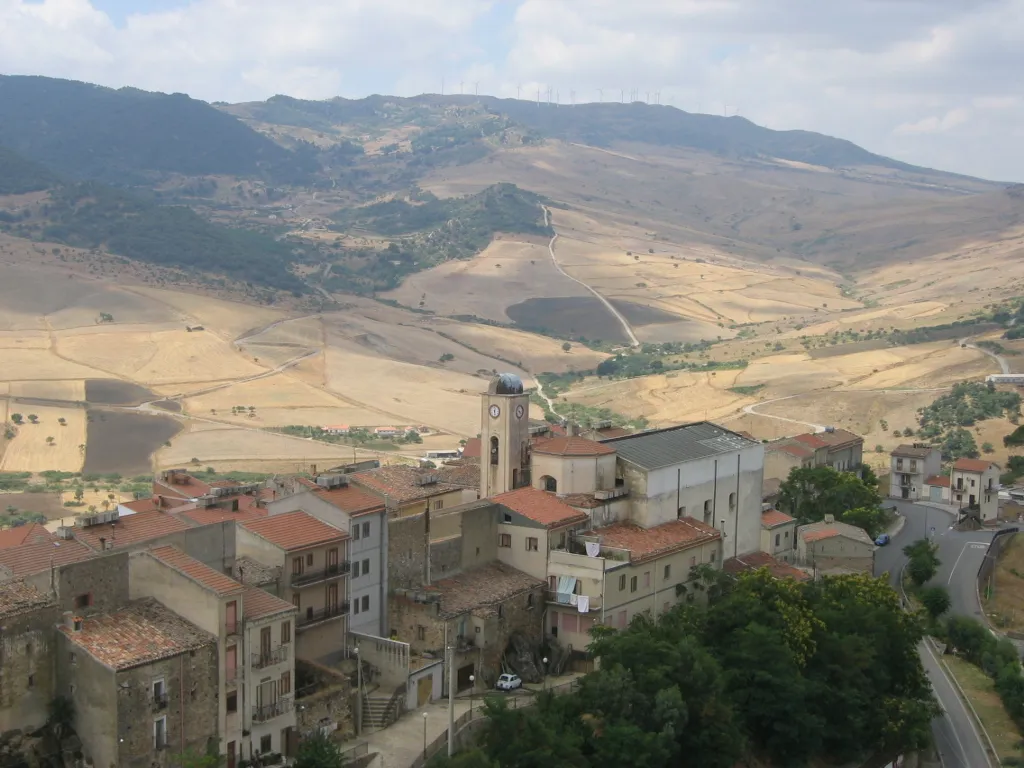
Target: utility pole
451,700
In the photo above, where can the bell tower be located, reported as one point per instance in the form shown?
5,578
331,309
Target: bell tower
504,436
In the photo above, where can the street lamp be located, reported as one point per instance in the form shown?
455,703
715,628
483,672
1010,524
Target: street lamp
359,691
545,661
424,737
472,688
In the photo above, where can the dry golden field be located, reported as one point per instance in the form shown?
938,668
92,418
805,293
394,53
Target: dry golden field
29,451
70,390
536,353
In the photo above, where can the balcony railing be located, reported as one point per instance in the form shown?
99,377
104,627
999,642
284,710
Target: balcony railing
159,701
561,598
270,711
321,574
315,616
276,656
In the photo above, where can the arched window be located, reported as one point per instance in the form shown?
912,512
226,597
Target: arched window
707,511
732,501
550,484
494,450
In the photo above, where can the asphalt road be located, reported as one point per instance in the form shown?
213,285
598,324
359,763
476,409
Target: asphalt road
958,742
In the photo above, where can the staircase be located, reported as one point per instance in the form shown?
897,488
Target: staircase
381,710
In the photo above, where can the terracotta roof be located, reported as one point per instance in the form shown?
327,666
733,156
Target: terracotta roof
33,557
131,529
482,587
142,632
294,530
350,499
584,500
15,537
197,571
142,505
463,473
744,433
213,515
398,483
757,560
940,481
186,487
609,432
253,573
972,465
540,507
258,603
819,531
18,597
793,449
833,439
650,543
571,446
825,533
472,448
224,484
558,430
773,517
911,452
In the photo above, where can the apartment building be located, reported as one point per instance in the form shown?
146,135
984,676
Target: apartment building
144,683
837,448
409,490
834,546
778,535
314,561
910,466
974,487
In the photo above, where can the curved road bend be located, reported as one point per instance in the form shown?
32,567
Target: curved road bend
633,340
1004,366
961,553
751,410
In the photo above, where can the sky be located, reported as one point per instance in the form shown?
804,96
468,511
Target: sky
930,82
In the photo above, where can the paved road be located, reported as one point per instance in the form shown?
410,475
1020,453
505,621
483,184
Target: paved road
1004,366
958,741
752,408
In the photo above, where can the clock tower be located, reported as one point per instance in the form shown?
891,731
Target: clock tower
504,436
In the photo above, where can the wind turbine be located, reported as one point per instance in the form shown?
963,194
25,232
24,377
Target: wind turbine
476,88
600,94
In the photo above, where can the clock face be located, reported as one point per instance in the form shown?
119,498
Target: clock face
520,411
495,411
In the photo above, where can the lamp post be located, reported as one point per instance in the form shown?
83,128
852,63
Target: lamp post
545,661
472,688
359,691
424,737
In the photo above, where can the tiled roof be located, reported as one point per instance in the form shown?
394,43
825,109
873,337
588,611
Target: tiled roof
258,603
142,505
294,530
940,481
212,515
18,597
37,556
398,483
819,531
131,529
464,473
833,439
472,448
185,486
650,543
571,446
658,448
609,432
824,533
972,465
253,573
584,500
792,448
142,632
199,572
772,517
540,507
911,452
350,499
757,560
812,440
482,587
15,537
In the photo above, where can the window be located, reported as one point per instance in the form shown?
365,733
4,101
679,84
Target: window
355,608
366,530
647,578
550,484
31,682
366,566
622,583
507,518
421,632
232,701
732,500
266,744
160,733
159,693
366,602
494,451
505,540
72,658
532,544
622,619
972,482
297,566
681,512
707,511
668,572
355,532
285,686
777,538
296,600
899,465
286,632
83,601
787,535
309,559
712,557
439,504
529,601
632,584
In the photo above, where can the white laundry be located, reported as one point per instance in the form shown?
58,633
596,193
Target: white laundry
593,549
583,603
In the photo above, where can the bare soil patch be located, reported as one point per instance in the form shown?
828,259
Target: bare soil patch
123,441
583,316
115,392
48,504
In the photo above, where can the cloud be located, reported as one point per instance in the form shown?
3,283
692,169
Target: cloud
931,82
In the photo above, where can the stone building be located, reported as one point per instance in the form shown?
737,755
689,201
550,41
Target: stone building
27,617
837,448
409,490
144,685
834,546
778,535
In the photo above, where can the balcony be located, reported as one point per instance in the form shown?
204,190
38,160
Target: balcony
560,598
321,574
319,615
269,711
276,656
159,701
905,481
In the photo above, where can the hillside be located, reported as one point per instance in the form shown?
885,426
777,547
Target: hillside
130,136
19,175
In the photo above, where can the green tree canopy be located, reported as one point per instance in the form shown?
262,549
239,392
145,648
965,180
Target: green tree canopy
810,493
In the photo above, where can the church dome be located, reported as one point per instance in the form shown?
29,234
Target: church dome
505,384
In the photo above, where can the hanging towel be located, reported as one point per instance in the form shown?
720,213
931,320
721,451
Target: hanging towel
572,598
583,603
593,549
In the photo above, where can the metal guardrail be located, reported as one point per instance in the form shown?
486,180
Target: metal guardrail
321,574
309,618
269,711
276,656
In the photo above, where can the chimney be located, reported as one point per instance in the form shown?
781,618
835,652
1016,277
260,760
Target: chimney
72,622
103,543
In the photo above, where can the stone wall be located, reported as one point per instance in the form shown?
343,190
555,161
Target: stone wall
27,658
328,699
407,617
101,581
407,552
445,558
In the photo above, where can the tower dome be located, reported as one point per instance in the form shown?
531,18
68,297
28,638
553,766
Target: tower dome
505,384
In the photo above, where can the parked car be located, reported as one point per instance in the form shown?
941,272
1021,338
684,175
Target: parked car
508,683
882,540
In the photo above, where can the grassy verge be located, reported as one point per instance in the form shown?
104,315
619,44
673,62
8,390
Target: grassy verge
980,690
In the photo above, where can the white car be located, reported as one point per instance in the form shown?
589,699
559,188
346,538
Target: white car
509,683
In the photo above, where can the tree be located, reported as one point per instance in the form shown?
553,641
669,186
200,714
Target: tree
446,357
810,493
935,600
33,418
79,494
959,444
924,560
987,448
193,758
318,751
871,519
17,418
566,347
50,440
412,436
62,421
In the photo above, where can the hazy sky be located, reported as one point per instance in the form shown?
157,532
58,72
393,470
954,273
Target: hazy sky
932,82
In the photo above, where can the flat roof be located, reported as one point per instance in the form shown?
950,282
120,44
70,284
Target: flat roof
660,448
